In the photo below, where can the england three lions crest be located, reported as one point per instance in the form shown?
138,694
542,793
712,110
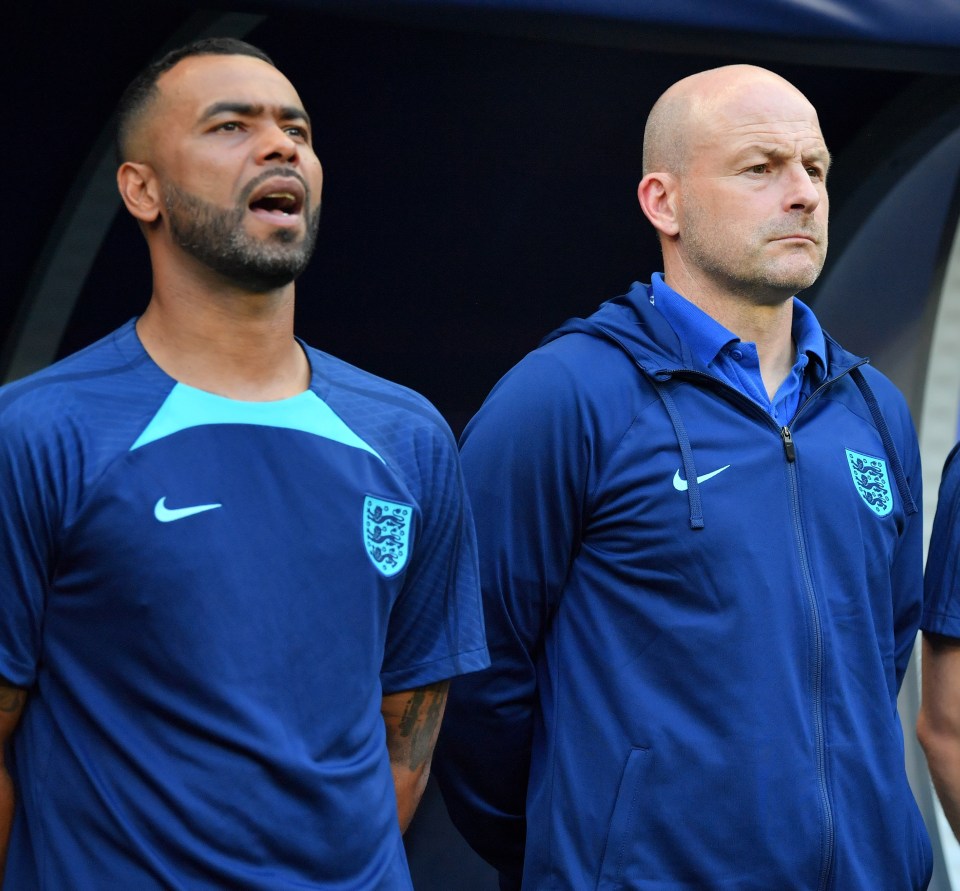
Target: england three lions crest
386,533
870,477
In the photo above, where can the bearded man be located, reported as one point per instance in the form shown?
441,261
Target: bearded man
237,572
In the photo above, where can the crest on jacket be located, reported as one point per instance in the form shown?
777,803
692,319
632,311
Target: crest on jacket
386,533
872,482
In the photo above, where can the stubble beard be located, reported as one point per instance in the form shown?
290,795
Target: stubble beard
745,269
216,237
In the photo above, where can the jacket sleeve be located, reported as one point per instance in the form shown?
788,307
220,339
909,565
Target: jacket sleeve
526,458
906,573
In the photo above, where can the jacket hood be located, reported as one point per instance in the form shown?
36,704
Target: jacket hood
634,324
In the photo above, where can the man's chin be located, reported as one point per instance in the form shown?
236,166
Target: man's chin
263,274
260,284
797,278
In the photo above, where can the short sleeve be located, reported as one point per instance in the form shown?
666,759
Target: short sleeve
29,485
436,627
941,609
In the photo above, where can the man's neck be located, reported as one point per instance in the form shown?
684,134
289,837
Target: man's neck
226,341
768,325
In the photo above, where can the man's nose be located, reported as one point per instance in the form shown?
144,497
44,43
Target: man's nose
803,192
278,145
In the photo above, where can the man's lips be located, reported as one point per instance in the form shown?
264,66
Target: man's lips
809,237
280,199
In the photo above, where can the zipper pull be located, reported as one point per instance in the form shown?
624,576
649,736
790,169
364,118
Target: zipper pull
788,446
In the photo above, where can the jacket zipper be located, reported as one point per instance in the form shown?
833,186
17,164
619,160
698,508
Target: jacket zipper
788,446
829,825
829,828
790,454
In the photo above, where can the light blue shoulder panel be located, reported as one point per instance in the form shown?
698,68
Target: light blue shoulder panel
187,407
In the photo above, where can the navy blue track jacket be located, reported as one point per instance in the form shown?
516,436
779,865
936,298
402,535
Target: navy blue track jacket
698,623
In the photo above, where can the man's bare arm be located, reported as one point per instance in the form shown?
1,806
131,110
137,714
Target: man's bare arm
412,719
12,700
938,726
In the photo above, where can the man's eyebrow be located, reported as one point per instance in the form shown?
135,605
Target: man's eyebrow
294,113
246,109
776,152
820,156
765,150
250,110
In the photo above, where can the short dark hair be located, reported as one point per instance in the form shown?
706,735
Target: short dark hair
143,88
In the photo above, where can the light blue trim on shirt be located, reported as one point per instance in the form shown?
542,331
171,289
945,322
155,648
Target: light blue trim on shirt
187,407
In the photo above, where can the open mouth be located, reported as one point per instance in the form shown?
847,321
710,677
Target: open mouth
278,202
279,198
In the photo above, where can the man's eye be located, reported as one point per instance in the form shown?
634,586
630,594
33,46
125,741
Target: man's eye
758,168
297,132
229,126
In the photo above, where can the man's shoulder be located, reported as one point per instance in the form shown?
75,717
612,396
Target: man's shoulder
950,474
577,368
841,360
891,401
884,388
367,399
574,389
88,379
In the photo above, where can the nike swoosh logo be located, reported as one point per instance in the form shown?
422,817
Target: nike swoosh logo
680,484
168,514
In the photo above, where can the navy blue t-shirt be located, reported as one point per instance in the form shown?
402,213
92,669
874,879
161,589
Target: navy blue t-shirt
207,599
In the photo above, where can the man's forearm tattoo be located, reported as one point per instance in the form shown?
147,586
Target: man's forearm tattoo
11,699
420,722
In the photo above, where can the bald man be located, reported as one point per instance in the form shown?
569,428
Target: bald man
236,571
700,554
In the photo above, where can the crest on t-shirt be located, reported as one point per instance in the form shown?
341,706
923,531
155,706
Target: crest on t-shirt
386,533
870,477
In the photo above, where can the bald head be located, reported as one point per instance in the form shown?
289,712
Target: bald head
680,117
735,171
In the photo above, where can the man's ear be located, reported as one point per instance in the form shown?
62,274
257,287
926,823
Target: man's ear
657,193
139,190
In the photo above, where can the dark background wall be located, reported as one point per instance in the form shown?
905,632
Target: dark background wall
480,177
